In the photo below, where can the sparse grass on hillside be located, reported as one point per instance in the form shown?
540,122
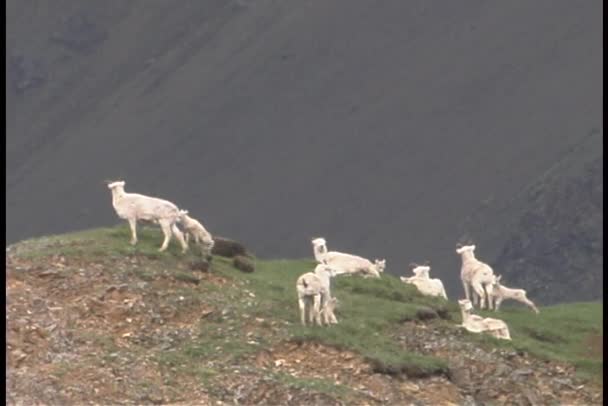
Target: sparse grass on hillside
563,332
257,310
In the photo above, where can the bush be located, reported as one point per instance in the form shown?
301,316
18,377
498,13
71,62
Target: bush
243,263
228,248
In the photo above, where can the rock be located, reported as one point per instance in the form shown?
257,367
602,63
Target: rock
227,248
426,313
79,34
243,263
25,73
202,266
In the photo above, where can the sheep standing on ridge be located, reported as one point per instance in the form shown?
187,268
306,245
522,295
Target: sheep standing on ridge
200,235
346,263
500,293
478,324
422,281
475,274
133,207
314,287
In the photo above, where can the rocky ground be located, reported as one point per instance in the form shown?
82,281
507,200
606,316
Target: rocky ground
112,331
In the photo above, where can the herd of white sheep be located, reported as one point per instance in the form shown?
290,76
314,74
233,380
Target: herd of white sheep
315,301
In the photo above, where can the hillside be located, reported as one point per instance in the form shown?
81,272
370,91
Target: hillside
92,319
379,127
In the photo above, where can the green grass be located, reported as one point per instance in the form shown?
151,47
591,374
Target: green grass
559,332
369,309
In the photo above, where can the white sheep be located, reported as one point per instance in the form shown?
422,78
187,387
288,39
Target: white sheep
424,283
475,274
501,292
315,287
133,207
478,324
200,235
347,263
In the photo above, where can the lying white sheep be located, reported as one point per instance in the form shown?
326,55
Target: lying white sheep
422,281
501,292
475,274
346,263
133,207
478,324
200,235
315,287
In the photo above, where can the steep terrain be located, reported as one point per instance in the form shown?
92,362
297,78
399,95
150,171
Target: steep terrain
91,319
381,127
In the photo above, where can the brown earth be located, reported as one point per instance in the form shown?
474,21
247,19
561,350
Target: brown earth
79,332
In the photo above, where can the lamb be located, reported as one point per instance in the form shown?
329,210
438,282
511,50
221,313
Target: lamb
200,235
477,324
500,293
347,263
314,286
476,274
422,281
133,207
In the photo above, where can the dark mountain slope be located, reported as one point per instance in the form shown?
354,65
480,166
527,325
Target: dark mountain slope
378,126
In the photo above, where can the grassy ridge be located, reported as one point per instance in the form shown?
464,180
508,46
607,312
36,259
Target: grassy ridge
368,310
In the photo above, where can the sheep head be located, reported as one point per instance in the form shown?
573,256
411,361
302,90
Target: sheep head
116,184
465,248
465,304
421,271
318,241
380,264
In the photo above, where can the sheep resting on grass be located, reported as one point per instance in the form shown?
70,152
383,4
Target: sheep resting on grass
422,281
477,324
347,263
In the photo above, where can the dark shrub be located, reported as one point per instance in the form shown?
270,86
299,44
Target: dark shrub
227,248
243,263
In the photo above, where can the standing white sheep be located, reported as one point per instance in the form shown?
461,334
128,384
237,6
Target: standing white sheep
424,283
501,292
478,324
200,235
315,287
133,207
347,263
475,274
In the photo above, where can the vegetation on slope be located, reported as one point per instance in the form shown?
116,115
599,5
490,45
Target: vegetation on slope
195,328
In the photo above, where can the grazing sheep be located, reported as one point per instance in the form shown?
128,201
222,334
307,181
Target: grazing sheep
347,263
133,207
501,292
315,287
478,324
422,281
200,235
475,274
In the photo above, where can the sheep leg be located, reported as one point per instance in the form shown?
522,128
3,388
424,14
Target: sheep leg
466,290
488,297
133,226
317,309
497,304
478,288
166,228
302,305
187,236
530,304
180,237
